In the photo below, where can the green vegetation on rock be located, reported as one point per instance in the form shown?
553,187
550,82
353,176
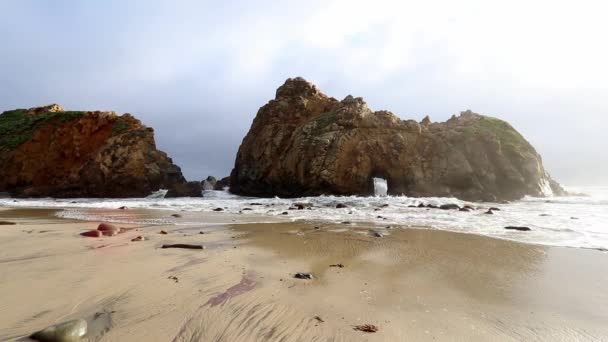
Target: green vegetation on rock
325,119
16,127
502,130
119,127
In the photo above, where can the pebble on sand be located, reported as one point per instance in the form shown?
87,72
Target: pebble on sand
70,331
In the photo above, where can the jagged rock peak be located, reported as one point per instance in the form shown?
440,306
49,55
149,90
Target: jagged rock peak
296,87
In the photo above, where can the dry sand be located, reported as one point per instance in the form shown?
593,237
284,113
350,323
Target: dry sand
413,284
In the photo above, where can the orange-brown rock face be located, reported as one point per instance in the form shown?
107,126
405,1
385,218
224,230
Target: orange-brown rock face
47,151
306,143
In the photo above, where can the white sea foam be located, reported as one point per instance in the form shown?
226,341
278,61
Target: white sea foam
579,221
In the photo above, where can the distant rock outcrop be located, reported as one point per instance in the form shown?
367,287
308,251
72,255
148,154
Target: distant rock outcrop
306,143
46,151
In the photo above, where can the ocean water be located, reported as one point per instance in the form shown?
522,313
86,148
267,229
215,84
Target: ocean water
577,221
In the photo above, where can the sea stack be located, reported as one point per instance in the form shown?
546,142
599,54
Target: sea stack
304,143
49,152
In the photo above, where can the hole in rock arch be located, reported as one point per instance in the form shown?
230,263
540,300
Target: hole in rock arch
380,186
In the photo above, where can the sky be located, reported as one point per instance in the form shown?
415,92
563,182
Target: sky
197,71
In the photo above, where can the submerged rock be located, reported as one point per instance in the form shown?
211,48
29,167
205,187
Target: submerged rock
50,152
209,183
70,331
304,143
222,184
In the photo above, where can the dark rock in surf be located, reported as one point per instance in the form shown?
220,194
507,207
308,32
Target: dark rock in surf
521,229
450,206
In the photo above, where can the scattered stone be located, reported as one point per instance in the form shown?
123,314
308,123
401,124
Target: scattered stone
574,218
337,265
6,223
163,232
183,245
201,232
464,209
174,278
341,205
432,206
284,213
494,209
468,207
70,331
450,206
370,328
317,227
306,276
521,229
108,229
412,206
319,319
421,205
176,215
302,205
544,215
377,234
346,222
123,208
255,203
218,209
139,238
244,209
384,205
377,209
489,212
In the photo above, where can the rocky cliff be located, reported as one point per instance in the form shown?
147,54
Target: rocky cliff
306,143
46,151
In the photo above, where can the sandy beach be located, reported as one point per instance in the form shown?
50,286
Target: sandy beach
413,284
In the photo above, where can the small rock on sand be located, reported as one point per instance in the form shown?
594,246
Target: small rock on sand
218,209
366,328
6,223
176,215
183,245
139,238
70,331
300,275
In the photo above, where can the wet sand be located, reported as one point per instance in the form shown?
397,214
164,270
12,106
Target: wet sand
413,284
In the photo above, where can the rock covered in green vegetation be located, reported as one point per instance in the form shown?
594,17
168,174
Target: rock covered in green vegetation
46,151
306,143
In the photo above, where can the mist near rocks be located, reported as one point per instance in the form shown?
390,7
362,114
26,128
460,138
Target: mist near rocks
197,71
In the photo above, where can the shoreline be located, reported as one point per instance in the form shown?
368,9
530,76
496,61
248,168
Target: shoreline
228,219
413,284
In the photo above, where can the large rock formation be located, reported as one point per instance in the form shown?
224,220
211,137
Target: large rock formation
306,143
47,151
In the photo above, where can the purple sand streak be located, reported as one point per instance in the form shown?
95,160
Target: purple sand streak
246,284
